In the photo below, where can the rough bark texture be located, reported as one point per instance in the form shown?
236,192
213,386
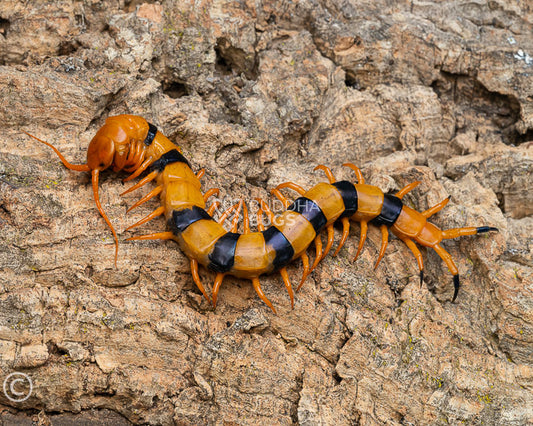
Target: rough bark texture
258,93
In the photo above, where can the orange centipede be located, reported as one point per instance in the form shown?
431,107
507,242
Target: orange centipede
130,143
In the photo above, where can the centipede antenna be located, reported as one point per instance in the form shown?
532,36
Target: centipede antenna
94,175
77,167
157,236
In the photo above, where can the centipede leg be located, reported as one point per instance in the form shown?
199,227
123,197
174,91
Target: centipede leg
196,278
362,238
259,291
345,232
287,282
135,157
384,242
235,221
305,273
266,209
318,252
357,170
436,208
141,169
216,287
245,219
327,171
212,208
293,186
276,192
142,182
331,235
447,258
225,215
220,276
157,212
414,249
400,194
211,192
200,173
260,224
154,192
471,230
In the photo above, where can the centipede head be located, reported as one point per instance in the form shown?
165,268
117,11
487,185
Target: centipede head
100,156
100,153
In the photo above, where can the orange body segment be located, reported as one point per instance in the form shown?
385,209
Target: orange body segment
198,239
251,256
370,200
328,199
298,231
410,223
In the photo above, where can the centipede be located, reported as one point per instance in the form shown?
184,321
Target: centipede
131,144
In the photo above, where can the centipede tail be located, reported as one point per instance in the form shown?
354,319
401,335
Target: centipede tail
130,143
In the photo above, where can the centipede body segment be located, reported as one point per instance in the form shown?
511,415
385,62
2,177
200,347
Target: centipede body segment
130,143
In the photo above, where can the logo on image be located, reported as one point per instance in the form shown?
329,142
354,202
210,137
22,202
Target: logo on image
17,387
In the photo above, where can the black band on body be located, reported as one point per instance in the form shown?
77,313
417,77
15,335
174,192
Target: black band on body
152,130
391,209
349,197
284,250
311,211
172,156
222,256
181,219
